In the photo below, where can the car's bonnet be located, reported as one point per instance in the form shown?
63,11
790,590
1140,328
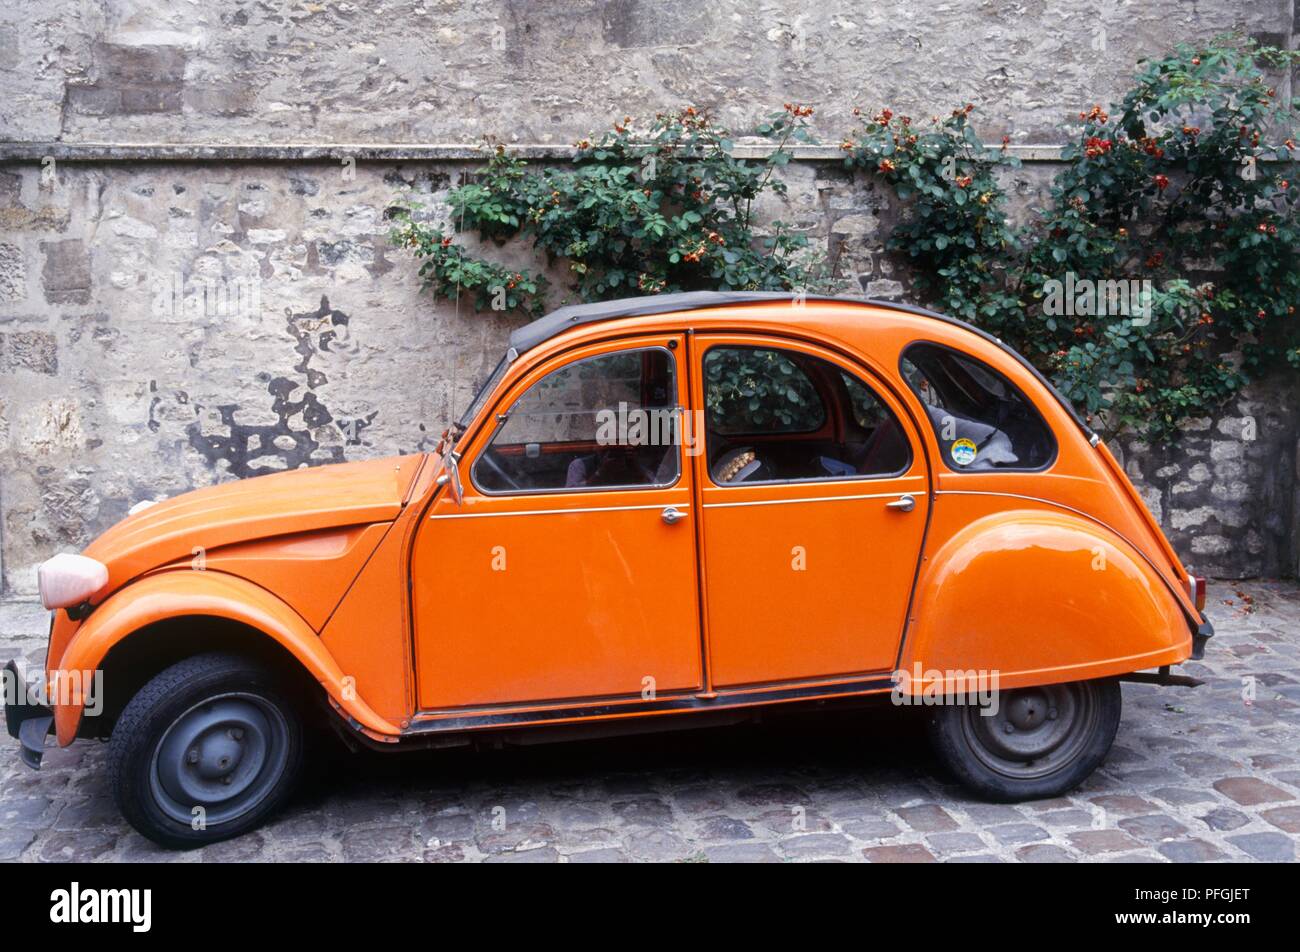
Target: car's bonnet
304,500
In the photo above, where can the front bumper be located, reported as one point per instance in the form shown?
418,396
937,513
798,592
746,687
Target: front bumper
27,721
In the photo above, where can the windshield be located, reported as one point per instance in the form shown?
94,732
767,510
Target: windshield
481,397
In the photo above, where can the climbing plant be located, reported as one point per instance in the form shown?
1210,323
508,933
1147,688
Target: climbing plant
643,209
1161,276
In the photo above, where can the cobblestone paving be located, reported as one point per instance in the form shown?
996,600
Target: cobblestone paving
1194,776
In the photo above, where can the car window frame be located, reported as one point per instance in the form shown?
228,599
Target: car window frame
988,368
843,366
500,420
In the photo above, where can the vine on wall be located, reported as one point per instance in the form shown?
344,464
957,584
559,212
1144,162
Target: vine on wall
1159,278
643,210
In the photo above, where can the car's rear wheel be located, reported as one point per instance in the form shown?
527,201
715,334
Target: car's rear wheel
206,750
1033,743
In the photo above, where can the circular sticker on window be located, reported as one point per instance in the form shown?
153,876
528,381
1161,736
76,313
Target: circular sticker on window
963,452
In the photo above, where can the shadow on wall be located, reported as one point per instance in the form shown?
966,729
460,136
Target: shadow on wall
251,450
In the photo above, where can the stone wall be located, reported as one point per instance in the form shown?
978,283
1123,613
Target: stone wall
295,338
218,302
1227,494
454,70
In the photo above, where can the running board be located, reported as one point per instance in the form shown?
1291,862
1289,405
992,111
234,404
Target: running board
680,703
1163,678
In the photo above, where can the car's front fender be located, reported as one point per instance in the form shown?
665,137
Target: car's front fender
188,593
1040,597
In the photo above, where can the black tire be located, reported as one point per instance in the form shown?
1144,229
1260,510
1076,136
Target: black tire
1025,751
215,731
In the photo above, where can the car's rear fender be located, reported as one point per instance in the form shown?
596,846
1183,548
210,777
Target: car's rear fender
186,593
1040,597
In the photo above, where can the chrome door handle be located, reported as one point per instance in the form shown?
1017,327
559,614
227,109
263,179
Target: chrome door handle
672,515
904,503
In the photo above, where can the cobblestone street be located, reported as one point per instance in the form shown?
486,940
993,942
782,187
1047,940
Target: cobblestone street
1195,775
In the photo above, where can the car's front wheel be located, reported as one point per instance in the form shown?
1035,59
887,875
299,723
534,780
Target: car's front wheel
207,750
1031,743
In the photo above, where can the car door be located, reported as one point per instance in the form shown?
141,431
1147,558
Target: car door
568,569
814,494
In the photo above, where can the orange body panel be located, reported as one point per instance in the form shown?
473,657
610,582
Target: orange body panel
818,619
369,634
582,605
574,594
276,505
1037,596
310,571
828,604
185,593
588,605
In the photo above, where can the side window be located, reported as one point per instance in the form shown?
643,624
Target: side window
598,423
756,390
775,415
982,421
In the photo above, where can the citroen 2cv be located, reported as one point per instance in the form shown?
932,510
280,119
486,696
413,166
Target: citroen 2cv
655,511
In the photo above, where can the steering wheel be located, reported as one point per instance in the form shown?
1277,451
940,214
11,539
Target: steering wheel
496,468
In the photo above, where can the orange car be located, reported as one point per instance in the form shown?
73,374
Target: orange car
656,512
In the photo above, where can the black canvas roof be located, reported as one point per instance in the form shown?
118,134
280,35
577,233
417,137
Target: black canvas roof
575,315
544,328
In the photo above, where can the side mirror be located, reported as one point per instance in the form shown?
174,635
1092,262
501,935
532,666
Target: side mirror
452,475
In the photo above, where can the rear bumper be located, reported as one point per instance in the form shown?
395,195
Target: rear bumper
1203,633
27,721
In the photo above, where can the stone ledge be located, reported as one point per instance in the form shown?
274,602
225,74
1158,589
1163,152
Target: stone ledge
393,152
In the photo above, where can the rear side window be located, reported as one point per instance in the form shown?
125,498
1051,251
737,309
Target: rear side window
778,415
982,421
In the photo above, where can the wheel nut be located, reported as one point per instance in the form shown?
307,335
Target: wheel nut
236,733
1051,714
193,756
225,780
1009,728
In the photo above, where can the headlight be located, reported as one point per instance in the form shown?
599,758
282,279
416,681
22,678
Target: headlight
69,579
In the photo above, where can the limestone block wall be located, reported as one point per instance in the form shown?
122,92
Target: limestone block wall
195,279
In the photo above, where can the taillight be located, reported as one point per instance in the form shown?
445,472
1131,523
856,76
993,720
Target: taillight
1196,589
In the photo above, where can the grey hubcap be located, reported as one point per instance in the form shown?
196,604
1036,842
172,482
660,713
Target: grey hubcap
1035,732
224,754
